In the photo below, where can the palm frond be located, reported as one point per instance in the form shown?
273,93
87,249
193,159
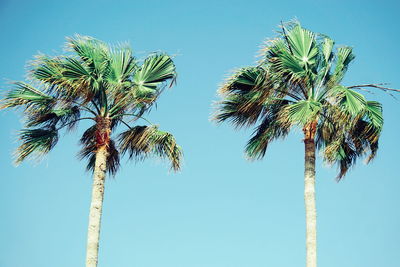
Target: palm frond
122,65
350,100
293,57
147,83
35,143
269,129
325,62
344,57
76,73
140,142
62,77
239,109
63,116
244,94
300,113
283,64
344,139
155,71
303,46
47,69
27,96
374,114
327,49
93,52
244,80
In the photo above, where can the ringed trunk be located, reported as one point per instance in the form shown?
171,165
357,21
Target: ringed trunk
309,195
96,206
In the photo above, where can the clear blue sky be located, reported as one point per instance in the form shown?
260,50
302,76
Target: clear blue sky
221,210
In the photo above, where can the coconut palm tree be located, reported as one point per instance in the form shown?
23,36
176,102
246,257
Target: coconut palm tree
298,83
108,86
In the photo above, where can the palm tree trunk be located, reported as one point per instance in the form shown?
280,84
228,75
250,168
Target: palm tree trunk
309,196
102,135
96,207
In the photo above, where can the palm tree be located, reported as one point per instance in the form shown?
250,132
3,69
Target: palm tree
298,83
108,86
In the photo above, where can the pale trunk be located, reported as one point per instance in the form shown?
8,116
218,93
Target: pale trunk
96,207
309,200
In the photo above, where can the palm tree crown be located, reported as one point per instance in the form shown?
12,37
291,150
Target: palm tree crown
98,82
298,83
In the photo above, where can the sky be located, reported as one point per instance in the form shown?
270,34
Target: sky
220,210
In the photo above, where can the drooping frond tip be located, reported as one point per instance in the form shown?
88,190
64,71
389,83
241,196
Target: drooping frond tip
35,143
243,94
140,142
270,129
345,139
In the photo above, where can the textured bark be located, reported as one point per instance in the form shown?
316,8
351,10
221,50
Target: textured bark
309,195
96,206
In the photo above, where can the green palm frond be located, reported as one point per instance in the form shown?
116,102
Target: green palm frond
239,109
122,65
155,71
325,63
350,100
327,50
343,153
244,94
35,143
294,57
300,113
347,149
27,96
303,47
76,73
244,80
344,139
374,114
344,57
64,78
284,64
139,92
140,142
93,52
80,82
63,116
331,119
47,69
74,70
269,129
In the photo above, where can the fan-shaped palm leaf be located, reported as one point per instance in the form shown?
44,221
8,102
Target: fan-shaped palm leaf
155,71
